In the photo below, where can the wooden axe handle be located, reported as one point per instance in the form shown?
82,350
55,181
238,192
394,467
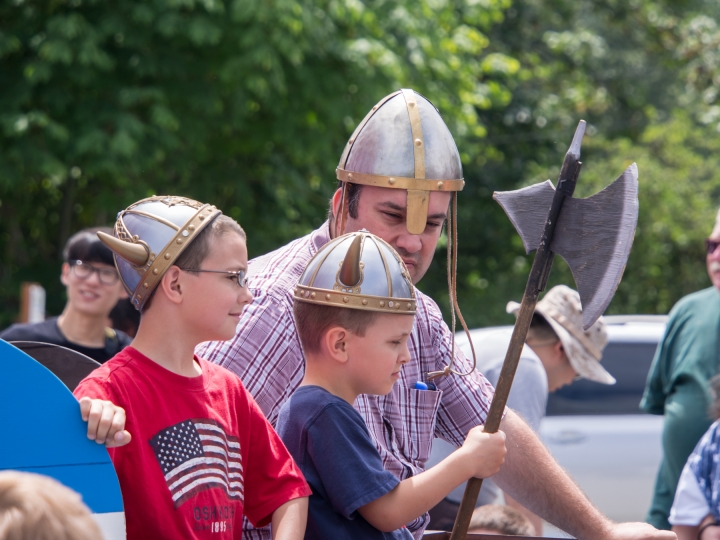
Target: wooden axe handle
497,407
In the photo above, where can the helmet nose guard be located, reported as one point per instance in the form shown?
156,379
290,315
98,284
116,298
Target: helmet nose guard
403,143
358,271
148,238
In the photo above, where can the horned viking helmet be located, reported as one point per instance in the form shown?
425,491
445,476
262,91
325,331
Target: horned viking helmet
148,238
358,271
403,143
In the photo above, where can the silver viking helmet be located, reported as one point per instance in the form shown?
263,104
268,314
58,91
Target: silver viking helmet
148,238
358,271
403,143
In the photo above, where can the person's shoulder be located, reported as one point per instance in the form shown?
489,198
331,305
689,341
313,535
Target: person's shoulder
117,365
312,402
697,300
45,332
279,271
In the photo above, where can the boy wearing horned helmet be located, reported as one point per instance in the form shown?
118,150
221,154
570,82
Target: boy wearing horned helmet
354,324
201,454
398,174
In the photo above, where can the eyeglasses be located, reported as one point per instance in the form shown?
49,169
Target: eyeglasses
711,245
83,270
239,274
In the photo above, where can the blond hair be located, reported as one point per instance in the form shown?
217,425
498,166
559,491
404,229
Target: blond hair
37,507
500,519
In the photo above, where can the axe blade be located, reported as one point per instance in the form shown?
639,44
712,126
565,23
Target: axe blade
593,235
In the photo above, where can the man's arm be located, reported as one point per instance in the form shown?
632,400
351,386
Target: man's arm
532,477
290,519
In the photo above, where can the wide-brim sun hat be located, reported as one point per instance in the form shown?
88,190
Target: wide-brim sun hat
562,309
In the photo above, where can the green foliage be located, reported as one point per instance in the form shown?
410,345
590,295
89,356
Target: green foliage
247,104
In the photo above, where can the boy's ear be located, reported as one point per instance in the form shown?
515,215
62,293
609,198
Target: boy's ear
335,343
172,284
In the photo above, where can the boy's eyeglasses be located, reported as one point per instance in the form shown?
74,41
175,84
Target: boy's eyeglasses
239,274
711,246
83,270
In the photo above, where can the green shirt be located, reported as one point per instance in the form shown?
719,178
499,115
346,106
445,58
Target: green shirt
677,387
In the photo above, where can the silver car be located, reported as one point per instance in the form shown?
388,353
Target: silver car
597,432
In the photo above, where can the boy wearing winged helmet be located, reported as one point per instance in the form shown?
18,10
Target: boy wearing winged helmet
201,454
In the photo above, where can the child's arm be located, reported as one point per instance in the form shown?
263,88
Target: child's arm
290,519
106,422
480,456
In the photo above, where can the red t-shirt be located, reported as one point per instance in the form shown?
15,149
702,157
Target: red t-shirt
202,453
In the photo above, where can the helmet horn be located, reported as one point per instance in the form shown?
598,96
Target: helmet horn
350,269
135,254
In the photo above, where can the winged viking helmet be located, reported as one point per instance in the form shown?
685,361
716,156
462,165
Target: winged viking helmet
403,143
358,271
148,238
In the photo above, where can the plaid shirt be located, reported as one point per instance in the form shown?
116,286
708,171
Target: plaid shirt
266,354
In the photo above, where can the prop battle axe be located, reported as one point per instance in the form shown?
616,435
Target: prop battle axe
593,235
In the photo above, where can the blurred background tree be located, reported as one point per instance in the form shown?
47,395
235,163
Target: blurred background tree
248,104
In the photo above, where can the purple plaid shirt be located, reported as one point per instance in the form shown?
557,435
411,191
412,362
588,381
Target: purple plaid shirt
266,354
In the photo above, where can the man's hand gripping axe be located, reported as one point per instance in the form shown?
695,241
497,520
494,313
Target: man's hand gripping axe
593,235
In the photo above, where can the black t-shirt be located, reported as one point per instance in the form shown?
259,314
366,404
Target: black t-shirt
49,332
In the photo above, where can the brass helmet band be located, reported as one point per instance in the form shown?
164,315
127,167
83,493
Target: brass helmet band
418,187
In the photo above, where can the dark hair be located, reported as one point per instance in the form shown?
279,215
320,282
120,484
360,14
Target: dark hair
86,246
197,250
353,200
501,519
313,321
540,329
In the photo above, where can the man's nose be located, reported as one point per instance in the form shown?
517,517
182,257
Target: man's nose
409,242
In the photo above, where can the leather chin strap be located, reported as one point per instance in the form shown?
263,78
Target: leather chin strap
452,247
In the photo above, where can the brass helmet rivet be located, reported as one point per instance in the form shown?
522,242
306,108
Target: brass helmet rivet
201,218
418,142
312,295
351,141
136,238
409,306
191,227
327,297
167,256
179,240
397,306
145,285
392,181
375,108
350,176
156,271
364,302
411,104
382,303
463,183
440,185
139,296
345,299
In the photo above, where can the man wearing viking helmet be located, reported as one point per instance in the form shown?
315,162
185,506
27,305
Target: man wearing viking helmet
398,174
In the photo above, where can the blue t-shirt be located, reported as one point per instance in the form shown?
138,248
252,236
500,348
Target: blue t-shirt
331,444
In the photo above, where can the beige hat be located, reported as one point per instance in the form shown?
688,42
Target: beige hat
562,309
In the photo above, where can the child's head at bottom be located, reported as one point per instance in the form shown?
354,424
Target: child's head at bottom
364,350
184,264
499,519
38,507
354,310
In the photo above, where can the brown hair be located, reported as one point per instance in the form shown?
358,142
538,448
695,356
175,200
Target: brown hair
197,250
313,321
541,330
500,519
353,201
38,507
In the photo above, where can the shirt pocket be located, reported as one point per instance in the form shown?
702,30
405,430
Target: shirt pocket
410,416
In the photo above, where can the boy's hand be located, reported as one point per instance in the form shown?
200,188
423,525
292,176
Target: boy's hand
106,422
484,452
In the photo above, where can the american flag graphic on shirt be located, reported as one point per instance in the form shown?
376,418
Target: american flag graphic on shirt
196,455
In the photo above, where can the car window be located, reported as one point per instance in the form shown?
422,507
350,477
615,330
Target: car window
629,363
